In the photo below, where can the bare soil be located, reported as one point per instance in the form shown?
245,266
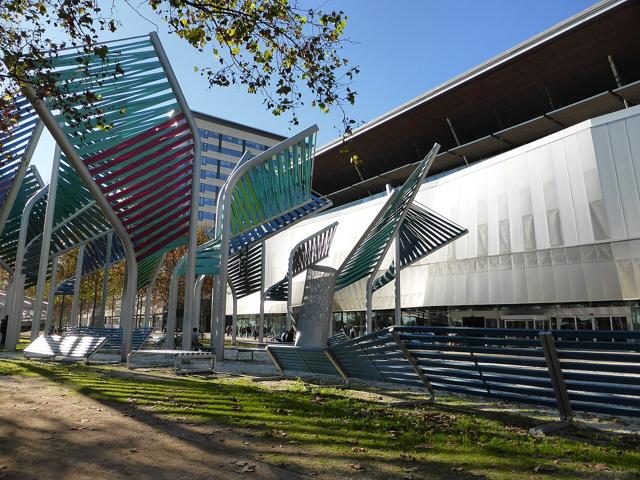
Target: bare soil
50,432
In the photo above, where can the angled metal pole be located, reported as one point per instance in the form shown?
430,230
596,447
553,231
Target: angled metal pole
262,273
45,245
197,298
212,316
172,307
559,386
148,300
15,302
51,299
412,360
105,281
369,301
75,304
289,321
195,187
128,302
396,250
234,318
336,364
398,294
22,169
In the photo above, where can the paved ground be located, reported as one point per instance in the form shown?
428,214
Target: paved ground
50,432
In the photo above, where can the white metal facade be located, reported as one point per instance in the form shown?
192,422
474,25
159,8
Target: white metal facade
555,221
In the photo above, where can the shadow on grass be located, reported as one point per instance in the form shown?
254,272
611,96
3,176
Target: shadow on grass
434,438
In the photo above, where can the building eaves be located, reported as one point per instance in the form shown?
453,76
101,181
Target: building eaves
494,62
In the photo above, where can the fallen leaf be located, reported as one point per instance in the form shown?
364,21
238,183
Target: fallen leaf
544,468
356,466
243,467
423,446
357,449
457,469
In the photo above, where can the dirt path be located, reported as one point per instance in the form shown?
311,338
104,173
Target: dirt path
50,432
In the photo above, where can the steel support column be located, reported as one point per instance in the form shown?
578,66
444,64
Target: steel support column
105,281
559,386
262,273
15,298
197,302
148,300
45,245
51,299
75,304
172,307
234,318
369,300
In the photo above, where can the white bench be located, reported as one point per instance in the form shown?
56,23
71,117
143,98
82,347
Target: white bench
183,361
251,350
75,347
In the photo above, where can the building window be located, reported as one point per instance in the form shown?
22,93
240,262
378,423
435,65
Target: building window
205,187
206,216
204,201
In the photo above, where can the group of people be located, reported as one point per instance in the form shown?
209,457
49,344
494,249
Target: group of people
351,334
250,331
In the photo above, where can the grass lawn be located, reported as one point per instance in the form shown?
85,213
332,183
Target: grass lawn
22,344
363,439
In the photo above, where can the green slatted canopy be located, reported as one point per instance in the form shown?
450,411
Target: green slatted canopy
366,256
77,220
279,183
273,194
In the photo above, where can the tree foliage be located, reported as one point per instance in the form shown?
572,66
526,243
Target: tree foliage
275,48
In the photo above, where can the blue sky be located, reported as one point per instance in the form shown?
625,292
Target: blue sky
403,49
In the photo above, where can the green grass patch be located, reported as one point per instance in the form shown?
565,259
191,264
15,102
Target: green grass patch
22,344
443,440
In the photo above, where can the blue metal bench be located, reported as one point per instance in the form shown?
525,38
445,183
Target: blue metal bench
571,370
339,337
114,336
301,360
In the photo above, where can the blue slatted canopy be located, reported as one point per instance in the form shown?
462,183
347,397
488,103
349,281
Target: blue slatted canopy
422,232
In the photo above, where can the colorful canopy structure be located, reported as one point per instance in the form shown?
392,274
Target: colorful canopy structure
138,158
422,232
30,185
208,255
94,259
366,256
16,148
262,196
245,270
77,220
308,252
274,184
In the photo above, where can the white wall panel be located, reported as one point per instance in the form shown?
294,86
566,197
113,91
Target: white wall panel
609,181
626,176
588,174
